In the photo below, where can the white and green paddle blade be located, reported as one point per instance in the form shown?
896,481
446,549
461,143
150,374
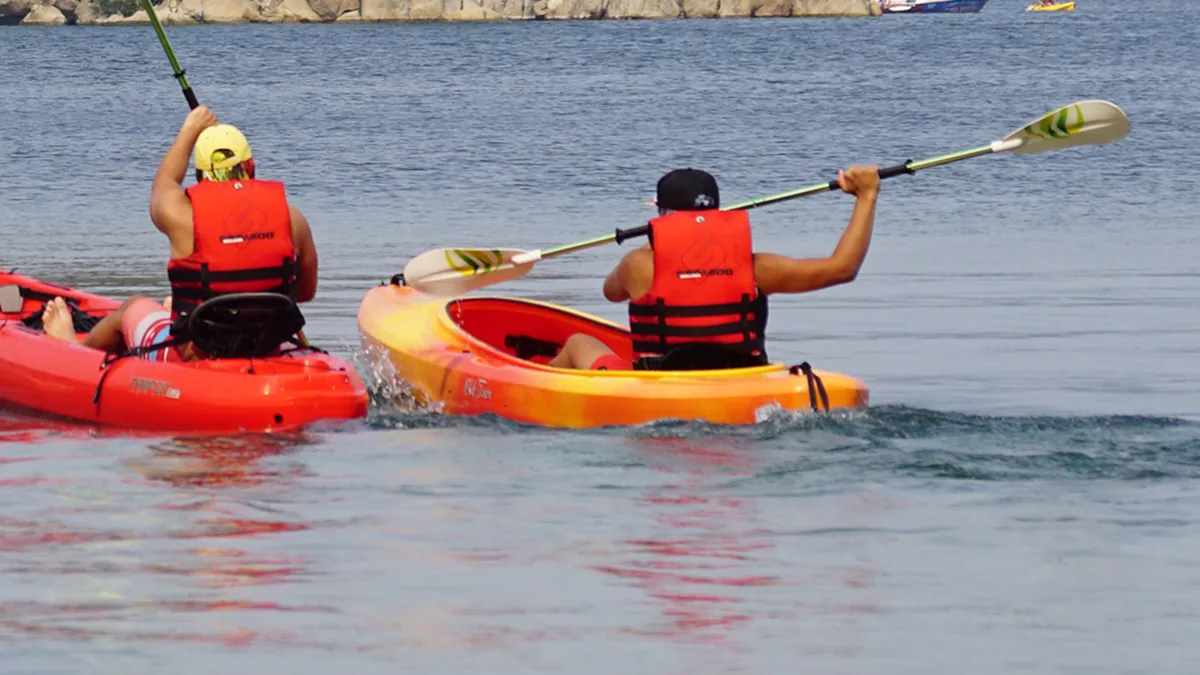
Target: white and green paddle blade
454,271
1081,123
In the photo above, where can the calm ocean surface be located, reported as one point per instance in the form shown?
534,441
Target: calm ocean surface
1019,498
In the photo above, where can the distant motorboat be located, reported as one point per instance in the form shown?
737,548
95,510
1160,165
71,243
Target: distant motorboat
931,6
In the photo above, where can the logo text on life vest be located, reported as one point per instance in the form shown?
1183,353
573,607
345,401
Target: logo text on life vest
699,274
243,238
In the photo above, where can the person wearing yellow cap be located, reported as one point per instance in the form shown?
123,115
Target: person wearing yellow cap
229,233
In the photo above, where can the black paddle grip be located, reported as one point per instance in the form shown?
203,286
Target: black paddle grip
889,172
893,171
191,98
632,232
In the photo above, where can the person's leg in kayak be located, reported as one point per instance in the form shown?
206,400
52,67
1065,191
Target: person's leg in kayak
584,352
105,335
138,322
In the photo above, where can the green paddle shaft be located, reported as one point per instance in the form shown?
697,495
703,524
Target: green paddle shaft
908,167
179,72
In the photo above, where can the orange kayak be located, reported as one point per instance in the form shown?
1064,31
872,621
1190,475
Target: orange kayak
479,355
42,374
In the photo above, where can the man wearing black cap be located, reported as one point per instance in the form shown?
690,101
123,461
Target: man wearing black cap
687,190
698,292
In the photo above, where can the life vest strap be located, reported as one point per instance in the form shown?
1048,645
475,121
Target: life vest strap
692,311
655,346
206,276
703,356
751,329
200,294
732,328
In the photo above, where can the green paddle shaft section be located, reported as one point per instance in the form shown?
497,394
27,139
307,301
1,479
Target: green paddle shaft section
179,72
898,170
590,243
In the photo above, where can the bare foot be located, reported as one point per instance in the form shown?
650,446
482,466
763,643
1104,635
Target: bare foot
167,303
56,321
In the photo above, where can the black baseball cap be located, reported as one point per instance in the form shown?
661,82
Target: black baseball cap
688,190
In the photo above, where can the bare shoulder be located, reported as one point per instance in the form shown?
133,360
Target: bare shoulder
171,213
639,263
639,271
641,256
631,277
297,216
301,230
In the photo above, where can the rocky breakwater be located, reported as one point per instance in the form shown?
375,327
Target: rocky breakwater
60,12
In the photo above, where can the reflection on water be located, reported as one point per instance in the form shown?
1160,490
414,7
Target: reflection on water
705,544
722,571
222,461
163,565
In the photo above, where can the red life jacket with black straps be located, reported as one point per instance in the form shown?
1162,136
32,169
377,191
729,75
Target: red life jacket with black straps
242,234
704,294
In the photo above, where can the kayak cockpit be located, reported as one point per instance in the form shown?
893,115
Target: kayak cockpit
530,330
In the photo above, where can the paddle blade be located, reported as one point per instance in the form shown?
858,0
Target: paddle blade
454,271
1081,123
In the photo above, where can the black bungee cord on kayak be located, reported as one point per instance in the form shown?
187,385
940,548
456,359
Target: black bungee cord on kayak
815,385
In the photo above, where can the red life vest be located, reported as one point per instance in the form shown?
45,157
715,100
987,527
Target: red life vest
242,234
703,293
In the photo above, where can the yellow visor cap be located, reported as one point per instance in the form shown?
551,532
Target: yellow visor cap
220,147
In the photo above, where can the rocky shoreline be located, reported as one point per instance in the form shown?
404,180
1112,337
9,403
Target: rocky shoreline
176,12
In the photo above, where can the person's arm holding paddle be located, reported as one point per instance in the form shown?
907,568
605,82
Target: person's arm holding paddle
782,274
170,209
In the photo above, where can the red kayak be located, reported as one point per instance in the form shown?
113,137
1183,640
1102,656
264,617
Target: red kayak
40,373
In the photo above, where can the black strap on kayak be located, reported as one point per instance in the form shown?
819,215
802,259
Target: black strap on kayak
815,385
